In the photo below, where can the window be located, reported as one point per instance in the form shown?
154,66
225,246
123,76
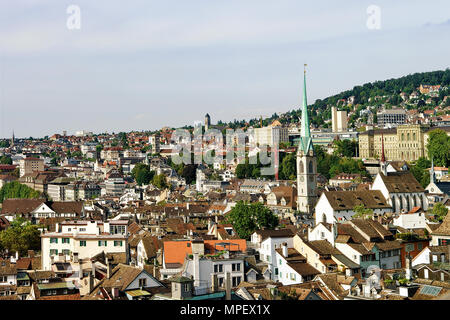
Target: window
53,240
236,267
102,243
66,252
236,281
276,271
3,279
409,247
419,246
117,243
293,276
218,268
53,252
82,243
220,281
65,240
186,287
142,282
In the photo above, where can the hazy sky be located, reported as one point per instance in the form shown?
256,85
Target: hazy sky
145,64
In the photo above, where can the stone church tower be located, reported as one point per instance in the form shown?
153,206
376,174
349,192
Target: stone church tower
306,163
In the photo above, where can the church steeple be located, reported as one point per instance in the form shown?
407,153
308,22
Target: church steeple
305,135
306,163
12,139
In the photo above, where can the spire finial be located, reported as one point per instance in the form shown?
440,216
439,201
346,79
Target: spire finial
305,134
383,158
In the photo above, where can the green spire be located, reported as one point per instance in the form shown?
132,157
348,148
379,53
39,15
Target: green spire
305,134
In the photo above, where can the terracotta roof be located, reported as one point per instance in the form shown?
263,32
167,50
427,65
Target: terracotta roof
444,228
293,255
7,268
401,182
281,233
347,200
19,206
303,268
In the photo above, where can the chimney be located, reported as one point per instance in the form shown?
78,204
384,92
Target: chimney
17,255
214,283
285,250
408,268
115,292
154,267
90,284
108,269
227,286
80,270
196,261
93,269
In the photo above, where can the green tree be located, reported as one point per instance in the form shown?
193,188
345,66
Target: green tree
439,211
5,160
247,218
15,189
345,148
288,167
361,211
159,181
20,237
189,173
142,174
438,147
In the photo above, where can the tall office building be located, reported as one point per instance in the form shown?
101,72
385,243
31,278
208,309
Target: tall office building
338,120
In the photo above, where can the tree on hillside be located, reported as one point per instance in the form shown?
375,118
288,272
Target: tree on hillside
247,218
15,189
288,167
345,148
20,237
420,171
438,147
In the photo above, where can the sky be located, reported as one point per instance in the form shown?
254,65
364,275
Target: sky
146,64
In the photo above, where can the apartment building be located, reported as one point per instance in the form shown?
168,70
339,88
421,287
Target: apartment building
30,165
84,239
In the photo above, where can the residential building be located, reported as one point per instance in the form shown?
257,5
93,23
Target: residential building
84,239
30,165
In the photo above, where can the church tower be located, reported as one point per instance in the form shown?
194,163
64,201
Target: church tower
306,163
12,140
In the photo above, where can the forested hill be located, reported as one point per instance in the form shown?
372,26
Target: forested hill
364,95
